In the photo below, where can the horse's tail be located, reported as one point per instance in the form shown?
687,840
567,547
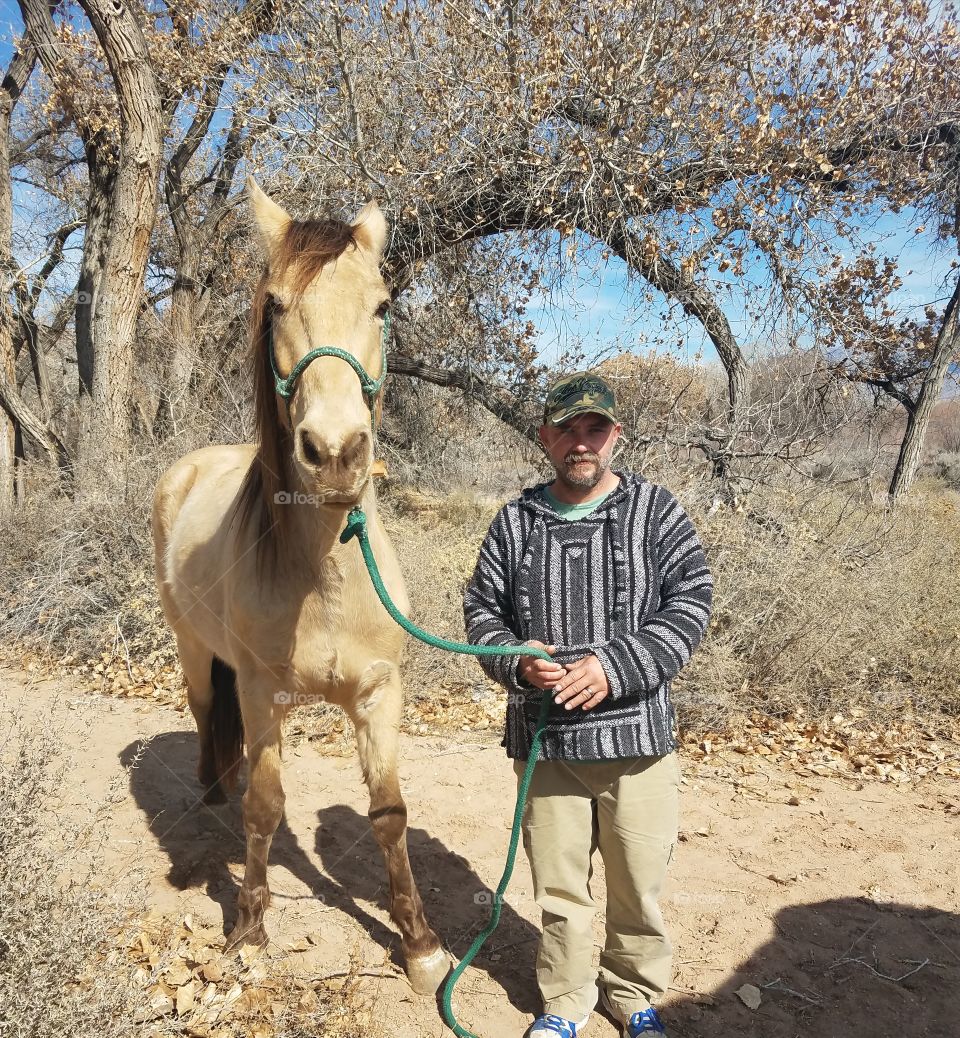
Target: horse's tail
226,724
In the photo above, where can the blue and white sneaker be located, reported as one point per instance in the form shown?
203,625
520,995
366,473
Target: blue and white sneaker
646,1021
550,1026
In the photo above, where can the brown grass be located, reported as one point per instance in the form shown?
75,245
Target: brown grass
827,602
60,927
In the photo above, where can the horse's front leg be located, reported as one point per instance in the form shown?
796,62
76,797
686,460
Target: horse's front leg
376,714
262,806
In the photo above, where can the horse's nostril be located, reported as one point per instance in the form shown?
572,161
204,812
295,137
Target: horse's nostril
312,454
356,448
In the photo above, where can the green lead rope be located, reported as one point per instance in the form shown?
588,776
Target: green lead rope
357,527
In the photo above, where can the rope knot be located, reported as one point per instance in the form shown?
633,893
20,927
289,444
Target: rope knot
356,526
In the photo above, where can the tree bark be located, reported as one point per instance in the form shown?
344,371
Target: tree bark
185,293
21,65
133,212
101,174
102,158
918,416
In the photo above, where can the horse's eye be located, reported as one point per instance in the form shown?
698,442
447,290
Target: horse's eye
383,309
276,306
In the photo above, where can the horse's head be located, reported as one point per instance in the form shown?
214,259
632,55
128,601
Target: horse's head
319,328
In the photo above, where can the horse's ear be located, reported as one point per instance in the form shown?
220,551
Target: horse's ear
272,220
370,229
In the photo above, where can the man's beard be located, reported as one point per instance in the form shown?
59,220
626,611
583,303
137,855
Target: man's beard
585,475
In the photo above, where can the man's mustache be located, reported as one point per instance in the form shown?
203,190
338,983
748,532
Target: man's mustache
589,456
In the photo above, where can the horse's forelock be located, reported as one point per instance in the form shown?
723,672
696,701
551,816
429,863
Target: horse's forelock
307,247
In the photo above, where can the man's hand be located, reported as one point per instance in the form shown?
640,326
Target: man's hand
584,684
540,673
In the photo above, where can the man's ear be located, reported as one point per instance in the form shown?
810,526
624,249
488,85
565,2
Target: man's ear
541,440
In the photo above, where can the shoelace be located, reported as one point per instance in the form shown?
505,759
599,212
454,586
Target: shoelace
558,1025
646,1022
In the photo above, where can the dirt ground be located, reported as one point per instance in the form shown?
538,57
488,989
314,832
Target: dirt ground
841,905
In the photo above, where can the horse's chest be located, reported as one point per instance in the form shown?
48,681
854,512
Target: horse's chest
332,650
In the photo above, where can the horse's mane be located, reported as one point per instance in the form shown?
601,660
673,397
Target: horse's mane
306,248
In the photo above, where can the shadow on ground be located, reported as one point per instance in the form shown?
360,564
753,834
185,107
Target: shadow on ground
845,968
201,842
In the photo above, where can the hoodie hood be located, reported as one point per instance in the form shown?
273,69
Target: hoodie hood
534,499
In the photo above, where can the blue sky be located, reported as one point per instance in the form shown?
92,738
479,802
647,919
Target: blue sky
11,25
599,305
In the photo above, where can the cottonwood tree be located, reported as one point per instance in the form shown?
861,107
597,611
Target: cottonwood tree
20,291
717,150
725,155
905,356
148,76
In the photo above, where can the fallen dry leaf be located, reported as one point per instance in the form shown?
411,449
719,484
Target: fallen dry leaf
749,995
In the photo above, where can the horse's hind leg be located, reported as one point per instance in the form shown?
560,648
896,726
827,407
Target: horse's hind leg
197,662
376,715
262,808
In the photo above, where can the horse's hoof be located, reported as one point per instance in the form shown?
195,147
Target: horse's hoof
245,936
426,974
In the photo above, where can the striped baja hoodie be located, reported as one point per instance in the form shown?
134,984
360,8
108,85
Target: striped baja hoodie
629,583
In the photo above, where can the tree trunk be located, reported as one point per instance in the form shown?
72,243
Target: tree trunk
101,175
21,65
918,417
133,212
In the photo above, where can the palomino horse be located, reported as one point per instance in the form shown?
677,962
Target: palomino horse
268,608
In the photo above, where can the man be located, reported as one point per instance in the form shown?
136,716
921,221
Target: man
605,572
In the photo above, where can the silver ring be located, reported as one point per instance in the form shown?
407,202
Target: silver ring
588,689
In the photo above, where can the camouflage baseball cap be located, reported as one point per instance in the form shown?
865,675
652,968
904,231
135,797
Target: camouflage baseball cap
579,393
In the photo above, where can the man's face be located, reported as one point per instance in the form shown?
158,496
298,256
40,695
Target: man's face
580,448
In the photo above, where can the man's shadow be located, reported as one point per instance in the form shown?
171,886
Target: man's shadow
201,843
846,968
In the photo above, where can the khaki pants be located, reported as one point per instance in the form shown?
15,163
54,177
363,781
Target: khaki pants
627,809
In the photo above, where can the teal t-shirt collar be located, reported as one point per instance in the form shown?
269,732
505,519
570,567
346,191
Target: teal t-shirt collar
574,512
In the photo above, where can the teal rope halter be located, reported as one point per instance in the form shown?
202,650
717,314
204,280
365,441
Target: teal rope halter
357,527
286,387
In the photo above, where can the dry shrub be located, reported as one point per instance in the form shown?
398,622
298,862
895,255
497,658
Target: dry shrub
61,970
77,574
947,468
943,433
654,390
437,540
439,442
825,602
